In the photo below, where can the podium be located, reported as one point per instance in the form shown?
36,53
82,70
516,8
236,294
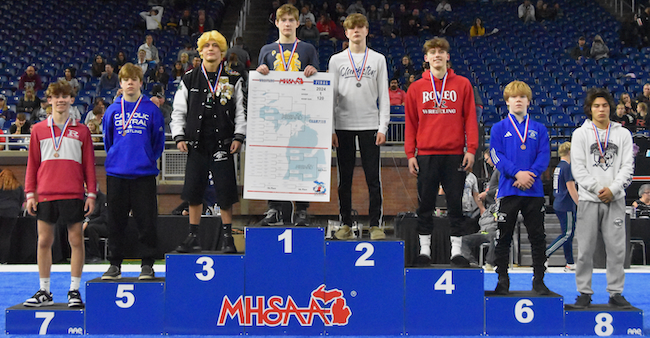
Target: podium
603,320
56,319
523,313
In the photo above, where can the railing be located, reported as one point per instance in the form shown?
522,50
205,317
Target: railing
241,23
622,7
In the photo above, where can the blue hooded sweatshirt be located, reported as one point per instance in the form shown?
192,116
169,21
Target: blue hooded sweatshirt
134,154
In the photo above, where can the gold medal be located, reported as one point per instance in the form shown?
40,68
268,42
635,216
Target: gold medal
523,147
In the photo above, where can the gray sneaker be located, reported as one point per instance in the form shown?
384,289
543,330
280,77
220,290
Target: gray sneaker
114,272
345,232
377,233
272,218
147,273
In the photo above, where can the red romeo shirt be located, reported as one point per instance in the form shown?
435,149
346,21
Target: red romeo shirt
434,130
51,177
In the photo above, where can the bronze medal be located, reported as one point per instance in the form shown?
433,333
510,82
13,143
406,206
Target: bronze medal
56,154
523,147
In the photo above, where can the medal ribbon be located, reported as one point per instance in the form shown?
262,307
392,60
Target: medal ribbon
602,148
125,124
358,72
522,138
213,89
293,50
438,96
57,143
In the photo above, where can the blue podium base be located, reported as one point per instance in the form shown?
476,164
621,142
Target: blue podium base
523,313
55,319
603,320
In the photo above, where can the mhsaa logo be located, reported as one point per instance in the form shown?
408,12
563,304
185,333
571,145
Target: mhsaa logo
292,81
330,306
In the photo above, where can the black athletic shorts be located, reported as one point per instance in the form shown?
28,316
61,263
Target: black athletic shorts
61,211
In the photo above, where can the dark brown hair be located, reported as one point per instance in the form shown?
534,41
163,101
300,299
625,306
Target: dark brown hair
593,94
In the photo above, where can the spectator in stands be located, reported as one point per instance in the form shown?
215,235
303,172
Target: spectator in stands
309,33
178,71
374,15
203,23
108,81
339,13
98,66
95,129
28,103
521,160
153,18
95,226
185,24
643,22
412,28
442,154
131,181
389,29
386,12
5,113
42,113
142,61
602,163
486,234
196,62
644,196
630,106
598,48
120,61
564,204
12,196
642,117
477,28
404,68
191,52
69,76
621,116
30,79
326,27
97,113
150,49
645,95
396,94
472,205
159,76
488,197
158,98
356,7
443,7
538,10
581,51
20,126
305,14
185,62
409,81
548,12
526,12
242,54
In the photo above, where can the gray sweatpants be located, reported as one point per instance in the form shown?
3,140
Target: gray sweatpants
610,220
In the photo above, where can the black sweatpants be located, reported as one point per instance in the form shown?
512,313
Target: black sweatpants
137,195
346,155
436,170
532,208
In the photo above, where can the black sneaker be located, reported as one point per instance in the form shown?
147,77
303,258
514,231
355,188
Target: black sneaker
459,261
74,299
422,260
189,245
146,272
503,285
300,218
582,301
540,288
114,272
272,218
40,298
617,300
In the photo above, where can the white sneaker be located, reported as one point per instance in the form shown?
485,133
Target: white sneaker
570,267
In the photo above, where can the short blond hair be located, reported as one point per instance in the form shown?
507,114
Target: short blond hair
355,20
130,71
642,106
287,9
517,88
216,36
441,43
564,148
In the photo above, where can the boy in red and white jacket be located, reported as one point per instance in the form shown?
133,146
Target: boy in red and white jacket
441,138
61,159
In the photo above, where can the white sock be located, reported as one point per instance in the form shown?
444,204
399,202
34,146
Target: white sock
74,283
425,245
45,284
456,244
